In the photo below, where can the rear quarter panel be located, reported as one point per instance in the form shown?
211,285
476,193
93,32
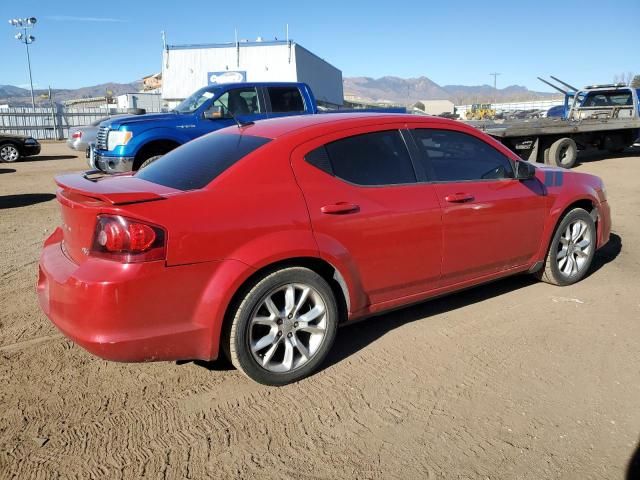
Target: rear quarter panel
253,212
249,217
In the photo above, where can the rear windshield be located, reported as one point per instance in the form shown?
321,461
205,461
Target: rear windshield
195,164
608,99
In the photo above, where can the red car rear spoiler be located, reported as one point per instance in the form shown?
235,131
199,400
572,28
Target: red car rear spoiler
116,190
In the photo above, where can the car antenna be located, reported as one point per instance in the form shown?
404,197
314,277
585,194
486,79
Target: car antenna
239,122
235,119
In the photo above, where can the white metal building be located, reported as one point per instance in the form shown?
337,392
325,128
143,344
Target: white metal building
148,100
435,107
186,68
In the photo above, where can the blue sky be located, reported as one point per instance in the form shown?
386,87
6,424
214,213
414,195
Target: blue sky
82,43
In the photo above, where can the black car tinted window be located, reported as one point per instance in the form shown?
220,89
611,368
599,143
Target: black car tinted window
378,158
196,163
454,156
285,99
320,158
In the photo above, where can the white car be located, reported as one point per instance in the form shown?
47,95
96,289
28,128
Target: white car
81,137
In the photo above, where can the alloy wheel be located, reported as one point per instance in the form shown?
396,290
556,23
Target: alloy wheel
288,327
574,249
9,153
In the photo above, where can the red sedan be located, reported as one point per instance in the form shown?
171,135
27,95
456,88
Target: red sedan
258,241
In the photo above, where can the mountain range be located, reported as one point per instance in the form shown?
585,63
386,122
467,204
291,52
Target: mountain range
396,90
407,91
17,96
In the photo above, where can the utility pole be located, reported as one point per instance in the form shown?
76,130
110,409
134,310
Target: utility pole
495,89
24,23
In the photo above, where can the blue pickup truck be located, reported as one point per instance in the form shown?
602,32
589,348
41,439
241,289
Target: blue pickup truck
128,143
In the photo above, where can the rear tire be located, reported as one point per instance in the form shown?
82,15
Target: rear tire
571,251
9,153
284,327
563,153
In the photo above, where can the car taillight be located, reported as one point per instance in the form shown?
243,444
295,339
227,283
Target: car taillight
127,240
76,135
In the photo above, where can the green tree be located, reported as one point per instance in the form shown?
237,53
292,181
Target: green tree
635,83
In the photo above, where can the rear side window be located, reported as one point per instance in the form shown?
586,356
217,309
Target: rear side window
285,99
195,164
378,158
455,156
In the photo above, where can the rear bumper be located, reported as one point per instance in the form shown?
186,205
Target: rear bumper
30,150
130,313
76,144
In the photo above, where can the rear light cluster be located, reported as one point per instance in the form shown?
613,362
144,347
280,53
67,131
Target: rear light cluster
76,135
127,240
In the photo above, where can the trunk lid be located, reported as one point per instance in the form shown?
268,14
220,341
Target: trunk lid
82,199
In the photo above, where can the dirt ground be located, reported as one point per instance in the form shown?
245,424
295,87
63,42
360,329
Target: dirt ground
513,380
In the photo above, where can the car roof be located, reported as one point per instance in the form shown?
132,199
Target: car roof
328,122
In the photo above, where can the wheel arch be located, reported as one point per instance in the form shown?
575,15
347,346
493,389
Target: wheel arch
318,265
586,203
164,144
13,143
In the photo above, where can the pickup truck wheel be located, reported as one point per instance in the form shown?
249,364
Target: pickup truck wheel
284,327
149,161
571,251
9,152
563,153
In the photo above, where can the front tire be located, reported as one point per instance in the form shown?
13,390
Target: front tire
284,327
9,153
571,251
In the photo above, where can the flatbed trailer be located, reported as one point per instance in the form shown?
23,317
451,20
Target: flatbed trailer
557,141
604,117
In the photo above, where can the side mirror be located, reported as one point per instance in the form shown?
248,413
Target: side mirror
524,170
213,113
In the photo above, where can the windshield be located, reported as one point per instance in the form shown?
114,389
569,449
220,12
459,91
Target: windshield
195,100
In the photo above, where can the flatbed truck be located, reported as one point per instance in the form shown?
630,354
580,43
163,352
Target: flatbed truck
604,117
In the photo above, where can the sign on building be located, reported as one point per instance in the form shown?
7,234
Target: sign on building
217,78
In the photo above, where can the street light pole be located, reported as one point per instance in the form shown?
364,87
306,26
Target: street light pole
23,37
26,44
